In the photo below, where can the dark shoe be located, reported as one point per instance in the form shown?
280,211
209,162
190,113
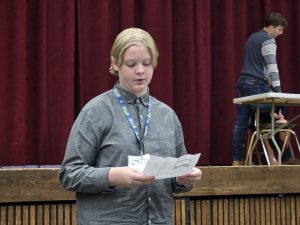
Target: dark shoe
291,161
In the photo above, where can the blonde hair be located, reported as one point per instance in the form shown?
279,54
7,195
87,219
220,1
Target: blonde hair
127,38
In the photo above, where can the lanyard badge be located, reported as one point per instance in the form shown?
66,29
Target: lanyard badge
131,121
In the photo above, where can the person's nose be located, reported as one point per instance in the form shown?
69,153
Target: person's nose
140,69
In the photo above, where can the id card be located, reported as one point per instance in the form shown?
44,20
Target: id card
138,162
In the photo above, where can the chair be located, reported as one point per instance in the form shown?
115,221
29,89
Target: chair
264,134
250,144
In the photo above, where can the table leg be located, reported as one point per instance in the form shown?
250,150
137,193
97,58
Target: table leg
273,133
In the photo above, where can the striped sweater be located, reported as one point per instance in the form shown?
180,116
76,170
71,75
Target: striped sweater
260,59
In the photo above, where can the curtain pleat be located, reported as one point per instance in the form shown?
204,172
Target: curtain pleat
54,57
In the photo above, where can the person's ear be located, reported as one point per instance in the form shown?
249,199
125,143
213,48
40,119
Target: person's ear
114,63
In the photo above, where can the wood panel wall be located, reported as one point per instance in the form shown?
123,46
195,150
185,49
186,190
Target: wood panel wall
38,214
258,195
259,210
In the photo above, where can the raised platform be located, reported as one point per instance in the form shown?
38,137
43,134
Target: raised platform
225,195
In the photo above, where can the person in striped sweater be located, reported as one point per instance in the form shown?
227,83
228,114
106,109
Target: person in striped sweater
259,74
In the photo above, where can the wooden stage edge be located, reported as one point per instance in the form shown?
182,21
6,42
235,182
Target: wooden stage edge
42,185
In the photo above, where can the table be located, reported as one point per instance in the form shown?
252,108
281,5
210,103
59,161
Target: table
274,99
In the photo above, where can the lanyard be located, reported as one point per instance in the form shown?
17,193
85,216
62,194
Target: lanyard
131,121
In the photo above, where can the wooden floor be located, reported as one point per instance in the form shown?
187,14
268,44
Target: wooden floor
258,195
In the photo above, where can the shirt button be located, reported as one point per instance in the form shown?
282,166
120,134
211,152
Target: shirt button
137,101
149,221
149,198
141,116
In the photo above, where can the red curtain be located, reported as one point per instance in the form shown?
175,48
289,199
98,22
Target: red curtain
54,57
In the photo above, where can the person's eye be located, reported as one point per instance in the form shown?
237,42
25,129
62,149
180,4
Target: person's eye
130,64
147,64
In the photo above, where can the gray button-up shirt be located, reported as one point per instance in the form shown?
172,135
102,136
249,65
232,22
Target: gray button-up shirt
101,138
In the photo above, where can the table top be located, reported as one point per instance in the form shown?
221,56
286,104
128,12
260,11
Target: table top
270,97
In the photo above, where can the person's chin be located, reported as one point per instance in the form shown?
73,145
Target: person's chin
141,90
141,86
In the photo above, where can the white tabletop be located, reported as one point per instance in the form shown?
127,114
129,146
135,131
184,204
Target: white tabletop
270,97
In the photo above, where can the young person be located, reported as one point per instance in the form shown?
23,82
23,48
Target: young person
259,75
124,122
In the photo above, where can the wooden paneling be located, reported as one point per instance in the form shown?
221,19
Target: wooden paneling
43,185
23,185
38,214
263,210
247,180
255,195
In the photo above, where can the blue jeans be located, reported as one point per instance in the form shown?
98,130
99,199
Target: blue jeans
245,87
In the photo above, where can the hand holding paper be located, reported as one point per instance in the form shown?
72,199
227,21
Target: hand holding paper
169,167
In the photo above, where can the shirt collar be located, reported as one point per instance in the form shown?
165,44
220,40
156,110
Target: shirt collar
131,98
